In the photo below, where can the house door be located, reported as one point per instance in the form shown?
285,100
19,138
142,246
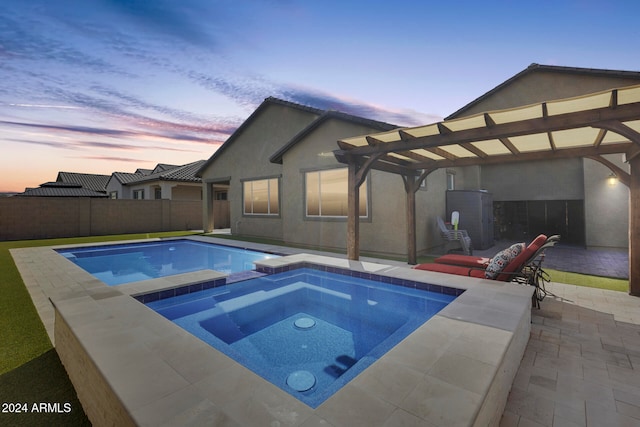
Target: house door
221,210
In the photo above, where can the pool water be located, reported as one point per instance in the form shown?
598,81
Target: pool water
119,264
308,332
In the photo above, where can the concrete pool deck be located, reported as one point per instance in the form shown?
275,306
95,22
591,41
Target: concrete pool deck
131,366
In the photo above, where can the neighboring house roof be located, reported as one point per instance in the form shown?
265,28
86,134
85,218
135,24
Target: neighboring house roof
536,68
268,101
162,167
87,180
327,115
184,173
144,171
60,189
126,177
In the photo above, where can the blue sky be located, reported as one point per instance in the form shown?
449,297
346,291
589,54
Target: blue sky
98,86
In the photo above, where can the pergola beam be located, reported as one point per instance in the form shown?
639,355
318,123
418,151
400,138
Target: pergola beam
589,151
506,130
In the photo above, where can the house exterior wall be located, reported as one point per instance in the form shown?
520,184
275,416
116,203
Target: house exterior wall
314,153
566,179
184,191
545,85
543,180
248,158
115,185
606,206
385,231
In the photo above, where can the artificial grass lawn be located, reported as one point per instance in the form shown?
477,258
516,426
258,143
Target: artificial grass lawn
621,285
24,338
41,380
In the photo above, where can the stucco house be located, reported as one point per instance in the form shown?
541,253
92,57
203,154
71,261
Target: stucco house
283,181
174,182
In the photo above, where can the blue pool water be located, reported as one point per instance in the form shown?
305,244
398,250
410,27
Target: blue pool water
118,264
308,332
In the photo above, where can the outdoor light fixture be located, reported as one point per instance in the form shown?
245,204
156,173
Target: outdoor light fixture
612,180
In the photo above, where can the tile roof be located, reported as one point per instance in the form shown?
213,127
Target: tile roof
126,177
185,173
87,180
60,189
161,167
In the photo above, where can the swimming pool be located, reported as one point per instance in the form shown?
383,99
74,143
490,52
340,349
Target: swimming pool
119,264
308,332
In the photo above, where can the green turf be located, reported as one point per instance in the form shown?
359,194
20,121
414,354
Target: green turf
611,284
41,380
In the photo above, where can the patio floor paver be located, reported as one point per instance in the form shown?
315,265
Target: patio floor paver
581,366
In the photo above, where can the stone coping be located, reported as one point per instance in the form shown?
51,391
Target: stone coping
456,369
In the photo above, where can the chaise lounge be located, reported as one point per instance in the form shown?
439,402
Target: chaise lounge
516,263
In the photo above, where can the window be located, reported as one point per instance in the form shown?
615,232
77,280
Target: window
451,180
113,195
261,197
157,193
138,194
327,192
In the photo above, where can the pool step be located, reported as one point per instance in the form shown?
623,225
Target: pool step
243,275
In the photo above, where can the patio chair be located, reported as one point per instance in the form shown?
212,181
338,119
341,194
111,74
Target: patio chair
475,261
455,240
517,263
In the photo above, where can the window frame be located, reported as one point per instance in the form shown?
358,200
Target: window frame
268,179
305,209
451,180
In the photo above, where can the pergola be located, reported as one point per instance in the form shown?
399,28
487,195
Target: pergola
588,126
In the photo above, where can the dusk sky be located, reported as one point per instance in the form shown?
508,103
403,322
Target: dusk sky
98,86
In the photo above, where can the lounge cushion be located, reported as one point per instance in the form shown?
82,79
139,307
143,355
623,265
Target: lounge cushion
502,259
464,260
444,268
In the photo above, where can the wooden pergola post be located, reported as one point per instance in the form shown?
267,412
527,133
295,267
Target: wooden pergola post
634,227
411,228
411,186
353,213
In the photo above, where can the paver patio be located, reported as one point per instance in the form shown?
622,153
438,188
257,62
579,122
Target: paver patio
582,364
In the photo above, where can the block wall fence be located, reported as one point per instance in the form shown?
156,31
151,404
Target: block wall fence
23,218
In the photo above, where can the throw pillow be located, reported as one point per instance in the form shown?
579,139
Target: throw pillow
502,259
